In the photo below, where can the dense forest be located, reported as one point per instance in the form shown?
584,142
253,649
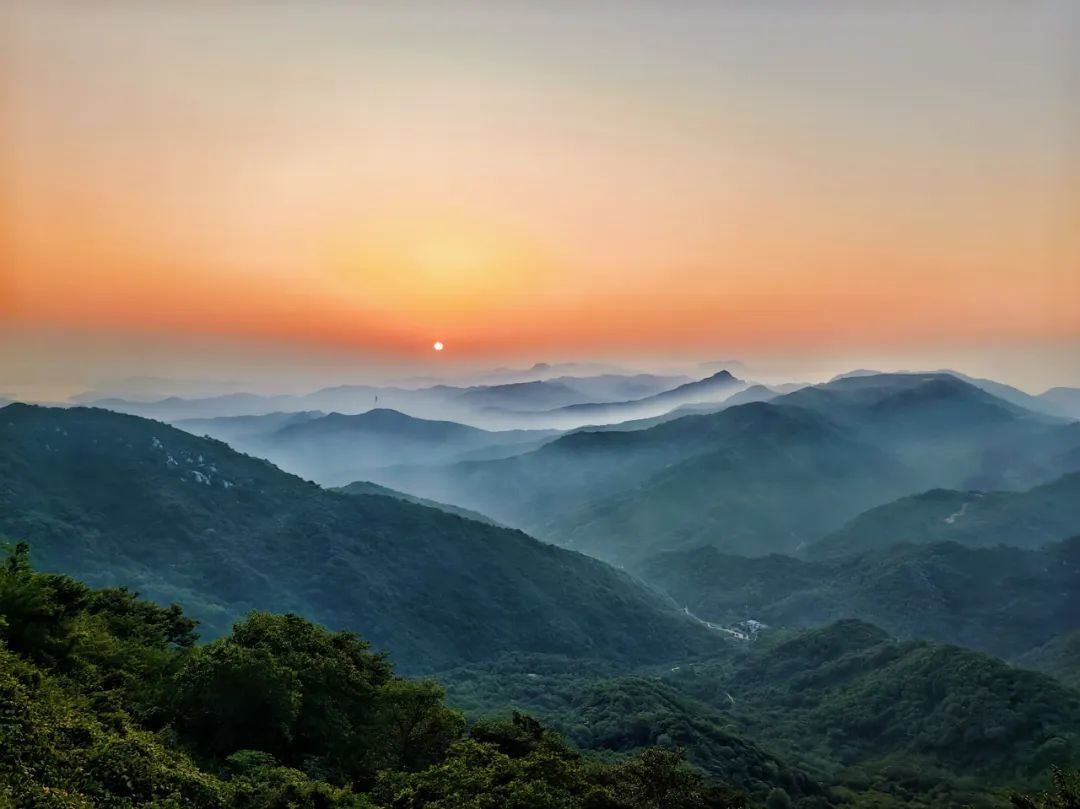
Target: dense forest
107,700
880,721
1002,600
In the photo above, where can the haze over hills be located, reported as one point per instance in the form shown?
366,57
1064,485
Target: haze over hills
493,405
335,449
569,392
952,432
754,393
536,488
1009,393
1064,400
121,500
715,388
761,477
780,477
236,429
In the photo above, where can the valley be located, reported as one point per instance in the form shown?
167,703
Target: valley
778,584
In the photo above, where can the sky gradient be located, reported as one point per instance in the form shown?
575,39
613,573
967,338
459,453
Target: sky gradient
525,183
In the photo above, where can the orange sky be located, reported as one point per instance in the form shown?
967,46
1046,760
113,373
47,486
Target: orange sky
516,181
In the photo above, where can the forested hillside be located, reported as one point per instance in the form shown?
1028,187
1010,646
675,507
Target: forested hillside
121,500
882,722
106,702
1025,519
1001,600
785,477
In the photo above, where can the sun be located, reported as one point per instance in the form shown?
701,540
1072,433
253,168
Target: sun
438,345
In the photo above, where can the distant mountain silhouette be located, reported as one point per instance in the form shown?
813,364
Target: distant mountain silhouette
954,432
493,406
711,389
1002,391
540,395
754,393
337,449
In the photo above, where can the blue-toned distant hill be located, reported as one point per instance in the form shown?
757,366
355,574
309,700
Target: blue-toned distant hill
1063,400
497,406
236,429
754,393
117,499
336,449
761,477
952,433
1038,404
567,392
714,388
750,476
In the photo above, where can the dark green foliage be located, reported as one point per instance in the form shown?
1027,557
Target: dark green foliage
120,500
1064,795
1000,600
39,612
841,714
335,448
54,752
600,711
311,698
520,765
851,695
280,714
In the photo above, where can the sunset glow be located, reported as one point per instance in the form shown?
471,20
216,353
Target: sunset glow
524,181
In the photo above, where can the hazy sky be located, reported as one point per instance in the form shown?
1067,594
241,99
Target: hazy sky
184,182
